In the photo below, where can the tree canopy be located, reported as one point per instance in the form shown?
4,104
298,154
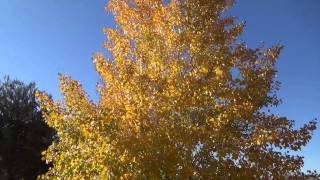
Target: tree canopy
23,133
180,97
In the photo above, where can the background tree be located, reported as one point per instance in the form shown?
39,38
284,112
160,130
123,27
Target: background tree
179,98
23,133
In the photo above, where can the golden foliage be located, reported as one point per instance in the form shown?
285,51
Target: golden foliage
178,99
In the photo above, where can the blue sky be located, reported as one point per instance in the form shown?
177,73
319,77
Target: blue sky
40,38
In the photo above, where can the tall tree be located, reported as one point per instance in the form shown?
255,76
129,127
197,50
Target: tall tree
179,98
23,133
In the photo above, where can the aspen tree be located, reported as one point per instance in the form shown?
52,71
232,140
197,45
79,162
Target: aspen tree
180,97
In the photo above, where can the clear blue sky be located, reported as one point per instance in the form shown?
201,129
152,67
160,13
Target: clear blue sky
39,38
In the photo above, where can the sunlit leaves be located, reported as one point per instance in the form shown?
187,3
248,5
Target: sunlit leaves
170,103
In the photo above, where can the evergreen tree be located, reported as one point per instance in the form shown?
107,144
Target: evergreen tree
23,133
